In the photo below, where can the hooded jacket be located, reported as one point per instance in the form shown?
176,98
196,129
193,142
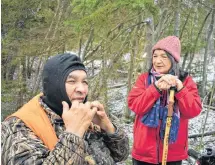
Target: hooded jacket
54,76
148,146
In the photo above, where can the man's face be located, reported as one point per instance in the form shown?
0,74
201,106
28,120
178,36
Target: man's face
161,62
77,86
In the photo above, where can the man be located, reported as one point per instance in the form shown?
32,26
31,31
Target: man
59,126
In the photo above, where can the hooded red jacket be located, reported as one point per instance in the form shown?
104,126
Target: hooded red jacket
148,146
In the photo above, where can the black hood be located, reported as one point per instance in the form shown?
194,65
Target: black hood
54,76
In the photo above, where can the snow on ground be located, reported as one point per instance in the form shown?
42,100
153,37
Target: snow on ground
117,104
196,125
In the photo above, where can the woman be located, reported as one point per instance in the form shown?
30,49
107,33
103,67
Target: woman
149,99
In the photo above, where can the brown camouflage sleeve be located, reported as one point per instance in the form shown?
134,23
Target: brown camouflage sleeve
21,146
117,143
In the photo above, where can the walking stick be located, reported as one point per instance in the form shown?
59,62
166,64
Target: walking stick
168,125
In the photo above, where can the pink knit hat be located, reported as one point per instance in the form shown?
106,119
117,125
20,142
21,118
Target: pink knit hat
171,44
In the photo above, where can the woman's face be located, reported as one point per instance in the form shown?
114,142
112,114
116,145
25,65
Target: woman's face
161,62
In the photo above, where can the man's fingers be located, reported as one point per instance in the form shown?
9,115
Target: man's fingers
75,104
94,110
101,113
95,103
98,105
65,106
88,104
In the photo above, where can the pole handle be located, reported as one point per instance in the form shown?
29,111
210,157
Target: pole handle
171,101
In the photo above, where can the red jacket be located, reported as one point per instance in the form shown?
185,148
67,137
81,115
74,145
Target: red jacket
147,145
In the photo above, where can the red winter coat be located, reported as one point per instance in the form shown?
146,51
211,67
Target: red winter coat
147,145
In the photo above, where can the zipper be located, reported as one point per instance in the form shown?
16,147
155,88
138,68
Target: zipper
157,144
158,141
186,141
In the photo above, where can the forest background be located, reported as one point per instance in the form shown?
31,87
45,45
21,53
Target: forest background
114,38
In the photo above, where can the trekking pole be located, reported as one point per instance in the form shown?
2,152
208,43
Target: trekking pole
168,125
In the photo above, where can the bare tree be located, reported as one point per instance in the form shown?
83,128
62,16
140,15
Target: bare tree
177,19
204,74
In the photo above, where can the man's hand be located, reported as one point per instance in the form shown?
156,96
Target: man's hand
101,118
77,119
167,81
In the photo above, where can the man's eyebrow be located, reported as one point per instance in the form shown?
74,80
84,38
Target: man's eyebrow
75,77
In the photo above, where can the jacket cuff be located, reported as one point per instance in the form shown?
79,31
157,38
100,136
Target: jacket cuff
72,141
155,92
157,88
111,134
181,93
115,136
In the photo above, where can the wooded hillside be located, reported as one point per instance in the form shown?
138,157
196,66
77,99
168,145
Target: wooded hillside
113,38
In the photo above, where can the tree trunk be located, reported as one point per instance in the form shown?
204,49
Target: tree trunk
183,28
104,83
211,27
200,135
130,75
24,70
149,44
184,60
196,41
9,66
204,72
134,53
88,43
21,84
177,19
11,72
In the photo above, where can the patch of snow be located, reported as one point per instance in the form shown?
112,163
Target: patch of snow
117,104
